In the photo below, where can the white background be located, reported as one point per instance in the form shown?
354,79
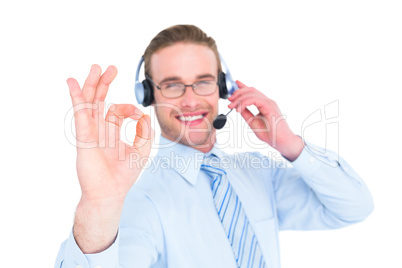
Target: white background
302,54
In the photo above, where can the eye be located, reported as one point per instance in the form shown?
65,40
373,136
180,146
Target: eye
205,84
172,86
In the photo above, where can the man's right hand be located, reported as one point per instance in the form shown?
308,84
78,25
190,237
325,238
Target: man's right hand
105,167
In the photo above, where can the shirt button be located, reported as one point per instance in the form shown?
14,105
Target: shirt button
98,266
78,266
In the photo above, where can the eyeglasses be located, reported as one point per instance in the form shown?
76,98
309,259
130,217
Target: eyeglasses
176,90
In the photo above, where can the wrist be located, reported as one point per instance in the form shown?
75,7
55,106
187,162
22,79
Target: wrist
96,223
291,148
103,202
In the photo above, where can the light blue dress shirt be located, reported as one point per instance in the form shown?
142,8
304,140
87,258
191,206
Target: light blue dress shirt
169,219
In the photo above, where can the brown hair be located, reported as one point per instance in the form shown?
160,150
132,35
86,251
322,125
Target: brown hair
175,34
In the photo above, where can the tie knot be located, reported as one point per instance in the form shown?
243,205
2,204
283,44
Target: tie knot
211,165
211,160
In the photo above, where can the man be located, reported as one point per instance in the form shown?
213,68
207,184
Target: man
215,212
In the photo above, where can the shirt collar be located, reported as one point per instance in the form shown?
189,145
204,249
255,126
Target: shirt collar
184,160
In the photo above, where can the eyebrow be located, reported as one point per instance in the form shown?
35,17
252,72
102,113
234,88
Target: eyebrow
169,79
206,76
176,78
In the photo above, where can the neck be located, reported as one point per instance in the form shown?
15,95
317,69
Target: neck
204,147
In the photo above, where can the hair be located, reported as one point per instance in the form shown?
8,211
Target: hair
176,34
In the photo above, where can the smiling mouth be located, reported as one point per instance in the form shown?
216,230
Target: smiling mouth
191,118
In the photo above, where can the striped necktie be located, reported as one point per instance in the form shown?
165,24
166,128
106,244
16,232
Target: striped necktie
240,233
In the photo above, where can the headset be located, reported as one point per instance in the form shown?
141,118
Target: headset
144,90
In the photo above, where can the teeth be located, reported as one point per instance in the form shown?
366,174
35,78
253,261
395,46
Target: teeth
190,118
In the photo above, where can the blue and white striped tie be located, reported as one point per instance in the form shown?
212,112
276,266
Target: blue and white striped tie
240,233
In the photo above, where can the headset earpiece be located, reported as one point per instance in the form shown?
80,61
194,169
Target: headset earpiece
143,90
229,86
148,93
223,90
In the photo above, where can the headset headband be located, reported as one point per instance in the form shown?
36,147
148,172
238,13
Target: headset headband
231,85
139,90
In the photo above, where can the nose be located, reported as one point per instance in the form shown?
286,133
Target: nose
189,98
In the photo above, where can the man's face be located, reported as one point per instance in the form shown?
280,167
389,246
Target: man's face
186,119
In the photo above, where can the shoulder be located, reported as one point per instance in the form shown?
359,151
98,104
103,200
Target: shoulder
255,161
157,182
153,175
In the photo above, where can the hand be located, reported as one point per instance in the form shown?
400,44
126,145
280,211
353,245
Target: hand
106,166
269,124
103,160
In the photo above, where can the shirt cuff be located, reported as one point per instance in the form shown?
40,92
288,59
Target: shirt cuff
313,157
75,258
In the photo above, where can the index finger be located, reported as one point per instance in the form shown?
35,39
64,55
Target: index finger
237,92
144,136
240,84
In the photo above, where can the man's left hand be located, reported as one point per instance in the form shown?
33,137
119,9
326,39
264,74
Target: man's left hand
269,124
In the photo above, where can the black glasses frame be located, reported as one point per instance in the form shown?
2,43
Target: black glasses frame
193,86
